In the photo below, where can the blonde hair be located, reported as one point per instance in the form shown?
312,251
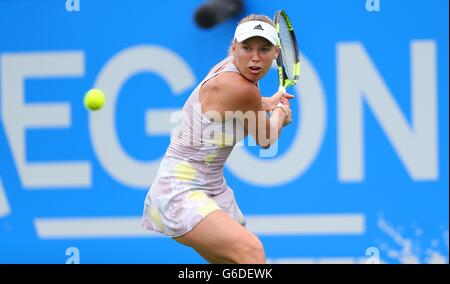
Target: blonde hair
252,17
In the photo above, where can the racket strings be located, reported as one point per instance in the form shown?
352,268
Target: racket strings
287,49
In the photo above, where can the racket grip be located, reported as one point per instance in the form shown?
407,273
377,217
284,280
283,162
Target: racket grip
283,90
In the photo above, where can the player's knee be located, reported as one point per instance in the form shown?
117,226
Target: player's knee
252,251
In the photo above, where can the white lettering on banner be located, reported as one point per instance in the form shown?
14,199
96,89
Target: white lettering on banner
4,204
305,145
160,122
112,77
18,116
359,81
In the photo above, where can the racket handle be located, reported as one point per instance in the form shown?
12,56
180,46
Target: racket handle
283,90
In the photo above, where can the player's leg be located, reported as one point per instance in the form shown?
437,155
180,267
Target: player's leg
220,239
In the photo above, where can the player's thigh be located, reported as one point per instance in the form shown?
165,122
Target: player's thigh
219,237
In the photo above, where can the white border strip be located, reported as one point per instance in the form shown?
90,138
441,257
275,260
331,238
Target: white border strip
4,205
264,225
314,224
82,228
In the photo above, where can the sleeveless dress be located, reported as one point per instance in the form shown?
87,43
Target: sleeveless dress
190,182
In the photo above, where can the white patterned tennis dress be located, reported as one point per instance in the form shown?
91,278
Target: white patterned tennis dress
190,183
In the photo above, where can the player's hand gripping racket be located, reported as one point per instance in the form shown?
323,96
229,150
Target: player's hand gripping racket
288,60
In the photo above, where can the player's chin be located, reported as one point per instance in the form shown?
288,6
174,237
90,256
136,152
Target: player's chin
251,77
255,77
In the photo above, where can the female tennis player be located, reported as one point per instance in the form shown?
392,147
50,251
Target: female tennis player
189,199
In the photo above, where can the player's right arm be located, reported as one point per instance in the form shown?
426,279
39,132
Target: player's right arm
241,96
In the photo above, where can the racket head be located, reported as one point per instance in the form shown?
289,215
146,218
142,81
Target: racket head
288,58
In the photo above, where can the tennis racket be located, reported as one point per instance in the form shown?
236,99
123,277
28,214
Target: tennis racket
288,60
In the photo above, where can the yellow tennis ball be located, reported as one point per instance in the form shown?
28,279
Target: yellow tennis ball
94,99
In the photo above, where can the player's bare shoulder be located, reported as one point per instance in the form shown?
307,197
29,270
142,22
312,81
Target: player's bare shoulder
236,92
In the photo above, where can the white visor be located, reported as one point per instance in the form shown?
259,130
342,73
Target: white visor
256,28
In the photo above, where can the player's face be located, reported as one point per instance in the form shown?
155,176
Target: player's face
253,57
